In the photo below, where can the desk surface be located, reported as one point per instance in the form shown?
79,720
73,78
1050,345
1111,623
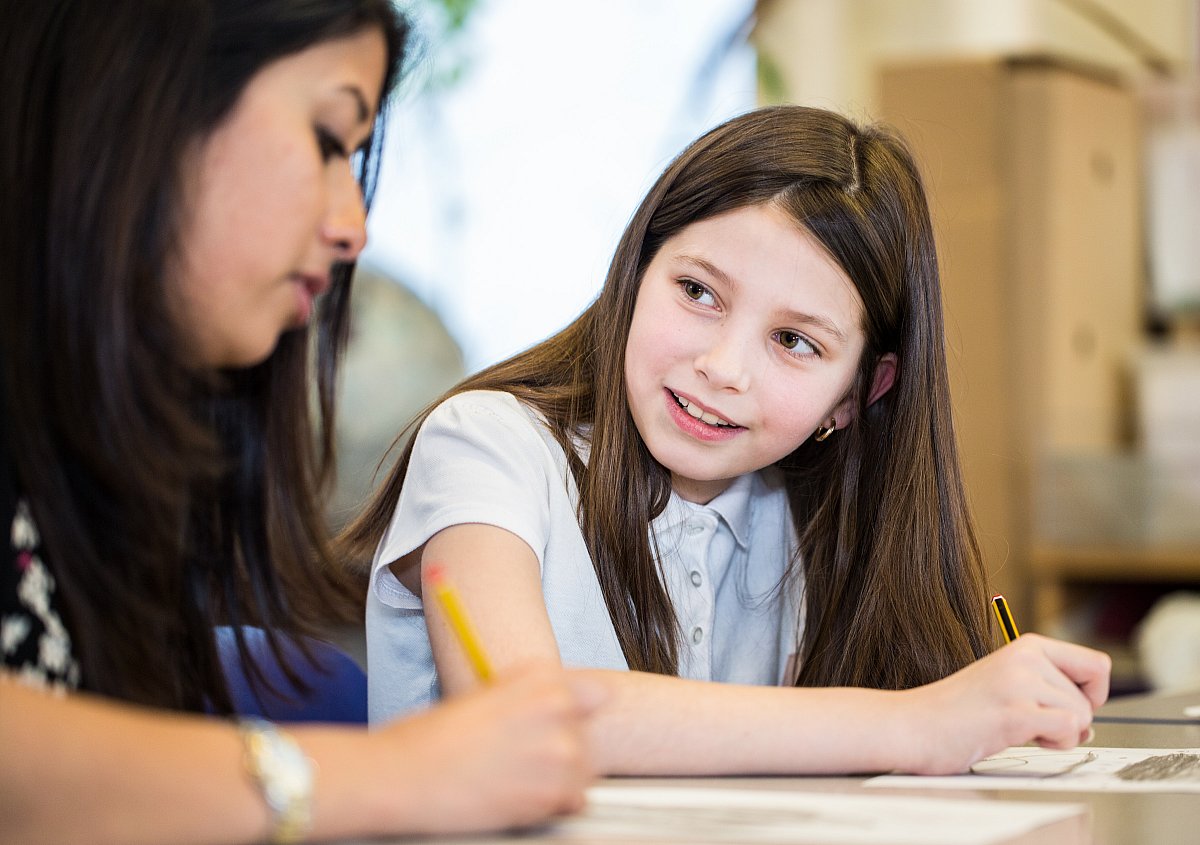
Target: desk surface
1112,818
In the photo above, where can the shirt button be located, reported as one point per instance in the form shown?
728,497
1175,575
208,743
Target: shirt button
697,579
697,634
695,528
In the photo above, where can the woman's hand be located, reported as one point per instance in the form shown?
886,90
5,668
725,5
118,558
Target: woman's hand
1035,689
506,755
510,754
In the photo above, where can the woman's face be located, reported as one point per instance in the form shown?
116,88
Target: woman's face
271,202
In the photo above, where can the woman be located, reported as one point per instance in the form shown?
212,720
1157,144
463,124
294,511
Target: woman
180,203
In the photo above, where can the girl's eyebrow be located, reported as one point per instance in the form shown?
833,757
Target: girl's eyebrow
709,268
799,317
822,323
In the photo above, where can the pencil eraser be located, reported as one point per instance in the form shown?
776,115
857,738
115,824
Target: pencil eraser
432,572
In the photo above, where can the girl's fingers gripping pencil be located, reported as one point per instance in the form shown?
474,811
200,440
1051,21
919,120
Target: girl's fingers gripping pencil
447,597
1008,627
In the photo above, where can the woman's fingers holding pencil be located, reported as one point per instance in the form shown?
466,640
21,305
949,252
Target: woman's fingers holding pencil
509,754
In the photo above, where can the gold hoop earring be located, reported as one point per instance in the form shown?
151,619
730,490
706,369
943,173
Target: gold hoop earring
824,431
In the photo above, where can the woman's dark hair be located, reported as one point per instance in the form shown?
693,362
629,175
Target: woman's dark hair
894,585
168,500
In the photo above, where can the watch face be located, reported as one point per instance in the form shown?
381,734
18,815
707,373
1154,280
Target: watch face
284,773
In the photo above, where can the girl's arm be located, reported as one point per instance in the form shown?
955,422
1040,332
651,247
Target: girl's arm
1032,690
78,768
655,724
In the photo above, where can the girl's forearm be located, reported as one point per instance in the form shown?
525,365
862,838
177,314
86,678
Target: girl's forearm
659,725
1032,690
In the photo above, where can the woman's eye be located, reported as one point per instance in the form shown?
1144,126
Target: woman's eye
695,291
330,145
795,342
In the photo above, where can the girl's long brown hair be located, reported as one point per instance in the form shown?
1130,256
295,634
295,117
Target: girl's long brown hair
894,585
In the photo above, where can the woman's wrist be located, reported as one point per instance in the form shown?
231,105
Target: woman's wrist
359,793
285,776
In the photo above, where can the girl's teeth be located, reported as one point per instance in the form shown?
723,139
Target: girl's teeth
711,419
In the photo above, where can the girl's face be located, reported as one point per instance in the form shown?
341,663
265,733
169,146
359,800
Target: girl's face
746,336
272,203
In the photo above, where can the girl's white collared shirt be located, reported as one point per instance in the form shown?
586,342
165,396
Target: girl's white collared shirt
484,457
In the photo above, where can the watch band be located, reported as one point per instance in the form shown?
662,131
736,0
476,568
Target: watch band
284,774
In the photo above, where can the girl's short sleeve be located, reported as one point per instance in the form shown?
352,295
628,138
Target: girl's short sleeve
478,458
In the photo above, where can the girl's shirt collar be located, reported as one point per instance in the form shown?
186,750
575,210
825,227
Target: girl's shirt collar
732,506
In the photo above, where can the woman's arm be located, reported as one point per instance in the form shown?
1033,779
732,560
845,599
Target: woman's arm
1033,690
78,768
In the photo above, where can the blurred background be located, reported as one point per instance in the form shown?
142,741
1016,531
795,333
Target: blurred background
1060,141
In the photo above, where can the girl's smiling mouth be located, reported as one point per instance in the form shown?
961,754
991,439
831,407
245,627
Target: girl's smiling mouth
696,410
693,419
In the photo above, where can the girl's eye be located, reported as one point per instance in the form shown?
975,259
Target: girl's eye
696,291
795,342
330,145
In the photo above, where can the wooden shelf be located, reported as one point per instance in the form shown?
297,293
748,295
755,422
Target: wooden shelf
1108,529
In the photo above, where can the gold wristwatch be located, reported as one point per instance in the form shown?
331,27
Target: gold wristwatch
284,773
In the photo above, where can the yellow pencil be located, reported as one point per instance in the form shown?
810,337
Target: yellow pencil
447,597
1004,615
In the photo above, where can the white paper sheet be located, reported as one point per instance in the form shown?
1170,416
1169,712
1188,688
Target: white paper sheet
710,815
1082,770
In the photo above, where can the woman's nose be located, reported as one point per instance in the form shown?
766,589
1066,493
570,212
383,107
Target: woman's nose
345,226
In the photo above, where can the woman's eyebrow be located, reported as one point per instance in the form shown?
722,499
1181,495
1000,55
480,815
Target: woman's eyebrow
364,113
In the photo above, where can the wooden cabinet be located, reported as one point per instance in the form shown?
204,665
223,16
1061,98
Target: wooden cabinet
1033,172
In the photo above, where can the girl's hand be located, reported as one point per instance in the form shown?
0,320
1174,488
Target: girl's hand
509,754
1035,689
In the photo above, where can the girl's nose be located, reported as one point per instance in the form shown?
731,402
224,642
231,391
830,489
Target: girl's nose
725,364
345,225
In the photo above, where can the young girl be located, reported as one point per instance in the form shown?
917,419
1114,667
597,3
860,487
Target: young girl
737,465
179,190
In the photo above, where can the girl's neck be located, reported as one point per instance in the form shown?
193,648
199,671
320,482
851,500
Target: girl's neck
699,492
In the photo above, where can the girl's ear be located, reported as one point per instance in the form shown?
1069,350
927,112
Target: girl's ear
885,377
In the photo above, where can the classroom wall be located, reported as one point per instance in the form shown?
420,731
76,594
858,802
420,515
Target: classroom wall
827,51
